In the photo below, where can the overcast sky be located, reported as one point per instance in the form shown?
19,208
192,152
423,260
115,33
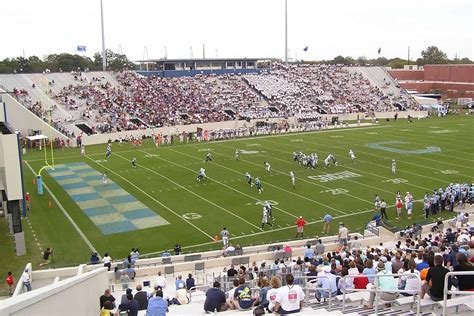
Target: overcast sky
238,28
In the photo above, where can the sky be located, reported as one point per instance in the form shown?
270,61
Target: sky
238,28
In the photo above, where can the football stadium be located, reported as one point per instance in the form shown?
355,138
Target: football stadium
237,185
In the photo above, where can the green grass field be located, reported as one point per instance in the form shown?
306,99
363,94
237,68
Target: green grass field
165,181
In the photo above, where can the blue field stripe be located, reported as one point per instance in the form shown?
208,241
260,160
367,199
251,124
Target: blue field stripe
58,169
104,210
73,164
115,228
92,178
75,185
85,170
86,197
108,187
68,176
121,199
135,214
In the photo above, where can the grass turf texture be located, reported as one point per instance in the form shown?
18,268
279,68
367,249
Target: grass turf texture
165,181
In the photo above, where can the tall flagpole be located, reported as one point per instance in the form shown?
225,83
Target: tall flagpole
286,32
104,59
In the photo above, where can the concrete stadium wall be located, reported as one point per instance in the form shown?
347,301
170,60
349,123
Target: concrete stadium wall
24,120
104,138
78,295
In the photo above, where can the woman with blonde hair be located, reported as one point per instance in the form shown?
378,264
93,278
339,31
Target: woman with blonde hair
272,293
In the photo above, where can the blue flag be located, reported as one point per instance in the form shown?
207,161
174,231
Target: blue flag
305,49
81,48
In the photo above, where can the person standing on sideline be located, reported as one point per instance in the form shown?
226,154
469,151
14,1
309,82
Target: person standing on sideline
399,206
383,209
327,223
9,280
28,201
105,178
300,222
26,280
225,237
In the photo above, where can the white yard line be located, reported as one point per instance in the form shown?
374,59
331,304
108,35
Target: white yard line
269,184
192,192
66,214
238,191
152,198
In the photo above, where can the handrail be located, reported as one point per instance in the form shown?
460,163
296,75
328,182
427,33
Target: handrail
446,292
315,279
377,290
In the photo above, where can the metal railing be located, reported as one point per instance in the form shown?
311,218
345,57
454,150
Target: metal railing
447,292
377,290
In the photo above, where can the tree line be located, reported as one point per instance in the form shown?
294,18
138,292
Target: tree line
71,62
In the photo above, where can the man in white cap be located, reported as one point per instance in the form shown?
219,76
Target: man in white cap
26,280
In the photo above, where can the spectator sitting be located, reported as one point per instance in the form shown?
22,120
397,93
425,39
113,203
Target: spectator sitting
160,281
319,247
387,284
328,285
463,282
106,309
309,253
244,295
128,261
369,271
434,284
408,282
289,298
231,272
345,285
94,258
130,272
272,293
157,306
190,283
215,299
165,254
182,294
232,301
131,306
470,251
124,279
179,282
361,281
107,261
141,297
356,244
124,299
262,298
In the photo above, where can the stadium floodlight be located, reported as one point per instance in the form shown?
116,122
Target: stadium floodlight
104,59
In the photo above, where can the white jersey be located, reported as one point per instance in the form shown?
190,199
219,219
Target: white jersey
326,161
267,167
292,177
105,179
202,172
265,215
351,154
394,166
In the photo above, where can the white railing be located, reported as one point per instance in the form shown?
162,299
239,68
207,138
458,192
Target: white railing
314,281
447,292
377,290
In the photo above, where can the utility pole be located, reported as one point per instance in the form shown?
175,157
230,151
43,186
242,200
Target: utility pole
286,32
408,55
203,52
104,59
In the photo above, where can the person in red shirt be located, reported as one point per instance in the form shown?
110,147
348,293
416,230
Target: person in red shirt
9,280
28,201
299,226
362,281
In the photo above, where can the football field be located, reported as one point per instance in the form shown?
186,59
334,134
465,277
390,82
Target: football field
160,203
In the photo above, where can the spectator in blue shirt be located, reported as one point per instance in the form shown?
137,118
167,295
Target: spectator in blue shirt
424,263
309,253
157,306
327,223
179,281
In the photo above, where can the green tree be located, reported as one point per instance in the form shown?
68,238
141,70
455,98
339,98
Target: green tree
362,60
433,55
381,61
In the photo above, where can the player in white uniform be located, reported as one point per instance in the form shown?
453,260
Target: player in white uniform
225,237
258,185
108,151
105,178
352,155
237,154
326,161
293,179
268,168
202,174
265,218
394,166
248,179
269,209
208,158
83,150
134,162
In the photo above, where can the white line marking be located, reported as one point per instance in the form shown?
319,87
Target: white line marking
151,197
192,192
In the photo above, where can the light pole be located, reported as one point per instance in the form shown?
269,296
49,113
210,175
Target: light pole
104,59
286,32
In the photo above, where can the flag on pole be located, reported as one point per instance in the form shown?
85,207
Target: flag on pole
380,49
81,48
305,49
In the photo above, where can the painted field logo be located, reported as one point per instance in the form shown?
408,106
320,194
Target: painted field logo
371,133
250,152
151,156
335,176
205,149
449,171
335,191
271,202
191,216
381,146
396,180
253,145
296,140
444,131
337,136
